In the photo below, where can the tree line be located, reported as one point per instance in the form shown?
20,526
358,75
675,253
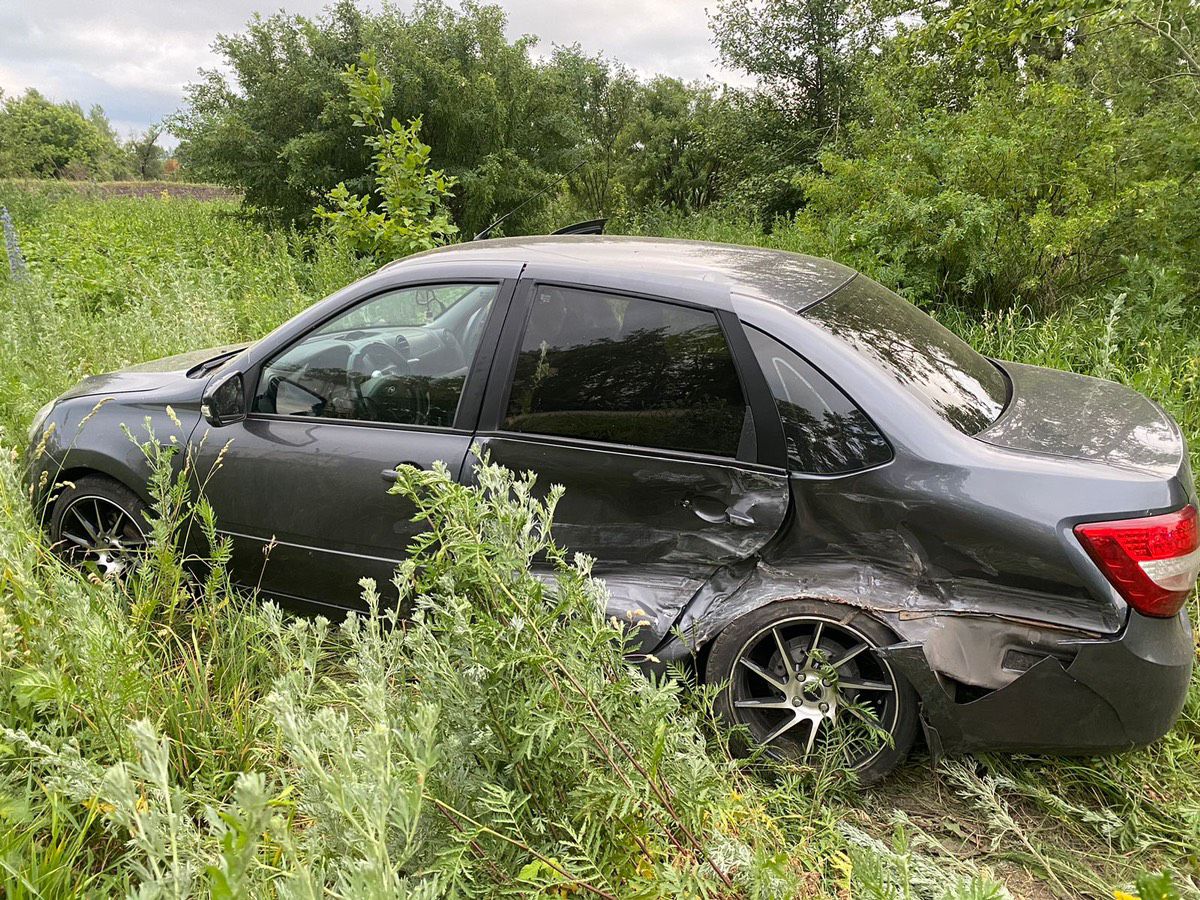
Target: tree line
43,139
963,150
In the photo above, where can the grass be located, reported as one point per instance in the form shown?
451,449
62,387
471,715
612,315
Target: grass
261,767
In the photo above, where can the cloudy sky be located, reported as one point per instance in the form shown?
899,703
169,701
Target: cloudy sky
133,57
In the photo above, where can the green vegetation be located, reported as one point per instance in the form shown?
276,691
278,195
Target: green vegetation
984,154
412,215
261,765
1026,172
43,139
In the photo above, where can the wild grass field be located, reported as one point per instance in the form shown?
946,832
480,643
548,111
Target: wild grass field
171,738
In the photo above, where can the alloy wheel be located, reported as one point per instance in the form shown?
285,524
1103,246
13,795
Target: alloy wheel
808,684
100,535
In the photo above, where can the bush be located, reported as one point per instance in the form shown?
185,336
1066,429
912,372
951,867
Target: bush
1033,195
497,744
412,213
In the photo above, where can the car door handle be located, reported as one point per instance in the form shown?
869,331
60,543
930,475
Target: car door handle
389,475
715,512
736,517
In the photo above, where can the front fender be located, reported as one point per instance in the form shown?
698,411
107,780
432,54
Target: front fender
105,435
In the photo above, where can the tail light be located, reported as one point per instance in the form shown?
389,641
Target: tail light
1152,562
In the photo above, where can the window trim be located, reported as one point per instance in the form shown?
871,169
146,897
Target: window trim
466,414
769,451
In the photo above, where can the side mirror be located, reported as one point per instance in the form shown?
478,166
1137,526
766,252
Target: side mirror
224,402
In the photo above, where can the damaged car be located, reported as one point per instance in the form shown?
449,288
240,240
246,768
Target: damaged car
789,478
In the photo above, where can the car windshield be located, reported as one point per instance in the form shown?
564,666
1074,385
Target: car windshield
438,306
930,361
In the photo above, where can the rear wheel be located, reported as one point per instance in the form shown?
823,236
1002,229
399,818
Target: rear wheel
806,680
99,525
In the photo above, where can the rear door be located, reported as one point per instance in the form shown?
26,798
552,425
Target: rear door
655,418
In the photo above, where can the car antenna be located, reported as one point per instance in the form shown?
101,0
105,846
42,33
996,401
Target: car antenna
483,234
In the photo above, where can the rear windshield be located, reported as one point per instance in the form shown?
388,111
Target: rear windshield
930,361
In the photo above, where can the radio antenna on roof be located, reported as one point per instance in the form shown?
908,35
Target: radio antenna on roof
483,234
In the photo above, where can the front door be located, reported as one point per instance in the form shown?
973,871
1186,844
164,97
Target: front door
303,487
636,407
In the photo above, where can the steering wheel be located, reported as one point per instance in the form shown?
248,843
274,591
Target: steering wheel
373,358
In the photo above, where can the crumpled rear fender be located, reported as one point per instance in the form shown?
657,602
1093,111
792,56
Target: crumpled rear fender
916,608
990,674
1115,693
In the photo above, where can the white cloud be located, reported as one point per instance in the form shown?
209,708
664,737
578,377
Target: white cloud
134,57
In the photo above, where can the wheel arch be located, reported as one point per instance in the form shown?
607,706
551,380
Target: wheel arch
79,469
895,599
698,654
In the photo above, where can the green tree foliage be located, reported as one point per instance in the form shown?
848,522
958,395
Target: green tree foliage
146,159
411,214
280,125
502,124
804,52
676,155
601,100
43,139
1010,156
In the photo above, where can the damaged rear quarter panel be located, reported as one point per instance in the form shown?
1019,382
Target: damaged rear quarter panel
965,564
913,540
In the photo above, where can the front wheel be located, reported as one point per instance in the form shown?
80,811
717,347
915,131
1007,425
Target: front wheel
806,680
100,525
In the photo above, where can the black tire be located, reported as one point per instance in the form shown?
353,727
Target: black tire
101,512
765,693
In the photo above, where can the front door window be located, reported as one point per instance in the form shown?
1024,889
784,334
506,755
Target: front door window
400,358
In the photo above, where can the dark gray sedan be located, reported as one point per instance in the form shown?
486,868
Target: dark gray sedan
811,491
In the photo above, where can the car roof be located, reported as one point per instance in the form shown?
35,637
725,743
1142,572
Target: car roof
789,279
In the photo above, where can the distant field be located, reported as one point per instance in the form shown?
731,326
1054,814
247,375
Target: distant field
123,272
105,189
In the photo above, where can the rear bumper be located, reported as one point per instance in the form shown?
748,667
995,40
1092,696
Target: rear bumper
1115,694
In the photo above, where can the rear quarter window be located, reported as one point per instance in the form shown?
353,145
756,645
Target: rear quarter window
825,433
932,363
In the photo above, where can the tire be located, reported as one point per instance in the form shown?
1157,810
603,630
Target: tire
846,700
99,525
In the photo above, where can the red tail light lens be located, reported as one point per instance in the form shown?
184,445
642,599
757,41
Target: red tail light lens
1152,562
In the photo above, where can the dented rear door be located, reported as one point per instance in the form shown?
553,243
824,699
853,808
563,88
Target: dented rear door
639,407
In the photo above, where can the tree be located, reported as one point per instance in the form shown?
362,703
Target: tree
804,53
278,126
43,139
411,215
146,158
602,100
675,157
1025,153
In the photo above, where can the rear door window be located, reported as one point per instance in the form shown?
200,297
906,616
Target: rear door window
826,434
624,370
931,362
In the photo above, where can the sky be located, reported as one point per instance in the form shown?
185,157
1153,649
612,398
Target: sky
133,57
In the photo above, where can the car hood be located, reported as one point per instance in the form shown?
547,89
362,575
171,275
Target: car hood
1076,416
148,376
